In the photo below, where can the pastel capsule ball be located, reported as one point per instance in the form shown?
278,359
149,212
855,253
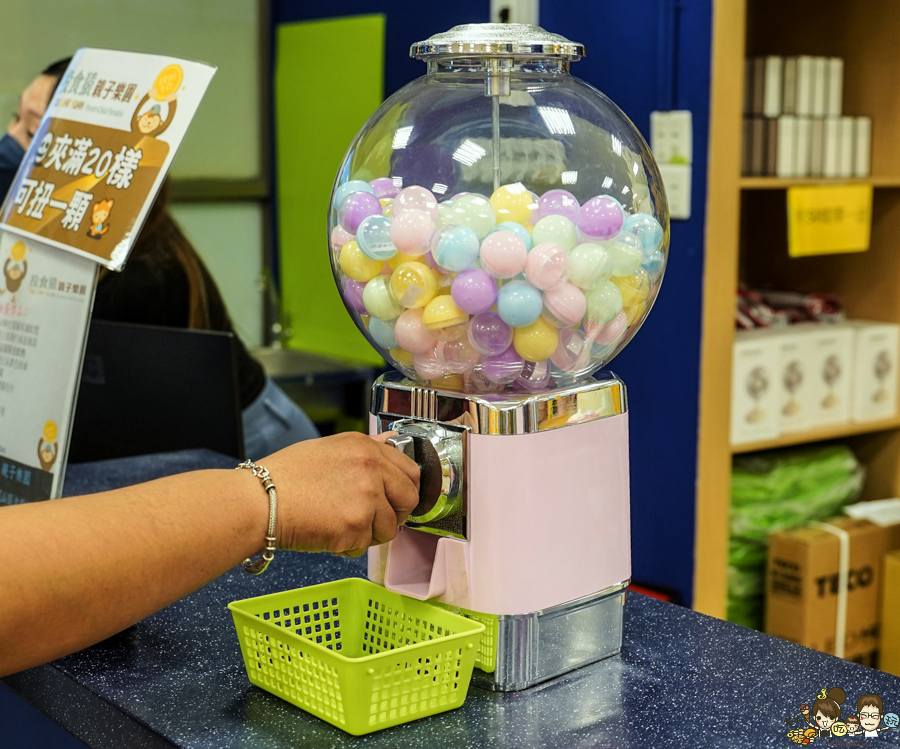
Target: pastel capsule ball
488,334
379,299
411,333
604,302
340,237
535,376
355,207
537,341
415,198
557,203
455,248
382,332
354,185
474,291
442,313
600,218
609,333
387,207
646,228
564,305
512,203
588,265
623,258
384,187
519,230
573,352
635,313
546,266
413,284
472,210
427,365
353,295
356,265
556,230
653,265
401,356
502,368
503,254
411,232
458,357
634,288
519,304
374,238
397,260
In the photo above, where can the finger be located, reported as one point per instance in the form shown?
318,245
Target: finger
383,436
402,493
384,524
404,463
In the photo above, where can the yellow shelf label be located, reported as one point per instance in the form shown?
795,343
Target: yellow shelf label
829,219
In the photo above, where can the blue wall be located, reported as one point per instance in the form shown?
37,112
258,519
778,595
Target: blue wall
645,55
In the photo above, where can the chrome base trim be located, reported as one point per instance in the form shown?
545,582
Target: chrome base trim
601,396
535,647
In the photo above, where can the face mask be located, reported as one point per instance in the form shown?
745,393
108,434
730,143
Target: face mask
11,155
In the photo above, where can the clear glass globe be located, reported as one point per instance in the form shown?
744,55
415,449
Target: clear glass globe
489,242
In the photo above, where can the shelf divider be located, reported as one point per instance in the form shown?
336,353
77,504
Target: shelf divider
832,432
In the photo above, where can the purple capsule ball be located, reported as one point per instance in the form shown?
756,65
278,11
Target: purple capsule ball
557,203
353,295
474,291
356,207
600,218
384,187
502,368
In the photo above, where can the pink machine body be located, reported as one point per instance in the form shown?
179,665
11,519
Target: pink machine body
540,526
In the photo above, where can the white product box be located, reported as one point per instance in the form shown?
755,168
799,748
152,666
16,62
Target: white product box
862,146
754,393
875,382
831,373
794,378
786,154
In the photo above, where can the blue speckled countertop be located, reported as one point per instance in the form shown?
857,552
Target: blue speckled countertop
682,680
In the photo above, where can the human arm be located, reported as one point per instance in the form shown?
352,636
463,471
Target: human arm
134,117
173,105
88,567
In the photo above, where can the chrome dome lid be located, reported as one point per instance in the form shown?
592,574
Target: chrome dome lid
497,40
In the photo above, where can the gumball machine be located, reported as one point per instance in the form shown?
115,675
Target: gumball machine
499,231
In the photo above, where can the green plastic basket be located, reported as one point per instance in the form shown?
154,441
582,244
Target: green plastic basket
357,655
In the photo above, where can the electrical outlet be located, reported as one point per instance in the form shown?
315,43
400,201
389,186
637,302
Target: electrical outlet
670,137
514,11
677,181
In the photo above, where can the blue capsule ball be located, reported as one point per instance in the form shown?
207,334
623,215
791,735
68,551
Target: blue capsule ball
519,304
382,332
654,264
520,231
646,228
374,238
456,248
354,185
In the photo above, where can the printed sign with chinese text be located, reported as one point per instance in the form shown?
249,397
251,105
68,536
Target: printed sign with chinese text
102,151
829,219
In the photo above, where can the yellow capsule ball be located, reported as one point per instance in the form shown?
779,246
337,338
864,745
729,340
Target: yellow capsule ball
399,258
356,265
387,207
442,312
401,356
635,288
512,203
449,382
413,284
536,342
635,313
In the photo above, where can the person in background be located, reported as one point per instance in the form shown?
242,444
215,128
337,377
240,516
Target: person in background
166,283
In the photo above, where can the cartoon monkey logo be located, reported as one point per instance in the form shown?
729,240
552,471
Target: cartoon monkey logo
99,215
47,446
14,269
149,120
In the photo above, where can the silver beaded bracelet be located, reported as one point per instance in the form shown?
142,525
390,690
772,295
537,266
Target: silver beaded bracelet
259,565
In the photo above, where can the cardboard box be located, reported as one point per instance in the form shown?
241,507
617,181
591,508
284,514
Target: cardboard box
890,614
754,393
802,586
875,381
831,367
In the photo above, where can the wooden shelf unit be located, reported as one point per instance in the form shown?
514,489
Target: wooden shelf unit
746,238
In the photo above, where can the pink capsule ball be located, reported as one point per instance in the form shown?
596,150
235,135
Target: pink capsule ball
356,207
557,203
411,333
415,198
340,237
427,365
564,305
600,218
503,254
384,187
411,231
609,333
573,352
546,265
